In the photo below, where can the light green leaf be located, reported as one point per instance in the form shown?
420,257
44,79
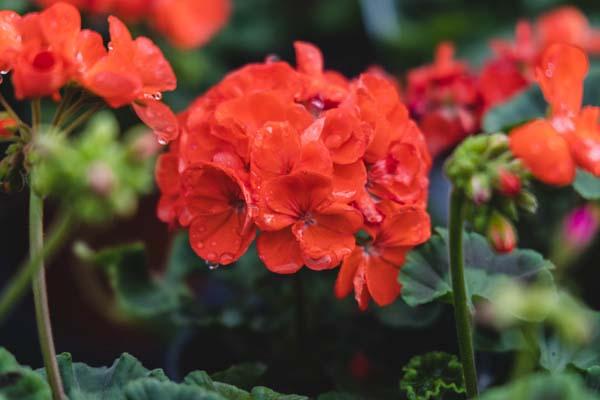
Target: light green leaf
542,387
20,383
426,276
433,376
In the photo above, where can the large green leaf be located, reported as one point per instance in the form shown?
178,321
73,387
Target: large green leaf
242,375
82,382
401,315
426,275
587,185
542,387
148,389
433,376
20,383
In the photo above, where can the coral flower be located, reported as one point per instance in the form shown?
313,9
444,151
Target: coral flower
567,25
217,212
372,268
302,225
551,148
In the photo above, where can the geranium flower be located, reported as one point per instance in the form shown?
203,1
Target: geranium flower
302,224
444,99
372,268
552,147
567,25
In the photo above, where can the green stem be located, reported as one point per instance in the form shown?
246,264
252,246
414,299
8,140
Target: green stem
12,113
18,285
40,293
81,119
459,290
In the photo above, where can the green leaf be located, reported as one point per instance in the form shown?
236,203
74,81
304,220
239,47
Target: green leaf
401,315
202,379
148,389
521,108
542,387
557,355
138,294
82,382
587,185
263,393
433,376
338,396
243,375
426,275
20,383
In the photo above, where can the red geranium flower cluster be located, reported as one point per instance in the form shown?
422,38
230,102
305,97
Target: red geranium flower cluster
47,50
186,23
448,99
308,158
570,135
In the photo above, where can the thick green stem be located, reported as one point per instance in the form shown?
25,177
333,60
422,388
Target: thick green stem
462,313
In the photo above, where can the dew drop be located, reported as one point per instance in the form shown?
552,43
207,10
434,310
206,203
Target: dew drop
213,244
201,228
213,265
226,258
162,141
200,245
272,58
157,96
110,46
4,72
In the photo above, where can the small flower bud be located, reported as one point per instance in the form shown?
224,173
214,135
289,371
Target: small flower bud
8,126
145,146
509,184
479,189
527,201
101,178
501,234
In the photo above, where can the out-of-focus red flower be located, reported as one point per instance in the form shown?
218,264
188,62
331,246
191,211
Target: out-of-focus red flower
444,99
315,157
372,268
501,234
551,148
567,25
7,126
186,23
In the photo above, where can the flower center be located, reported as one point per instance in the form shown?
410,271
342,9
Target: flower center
44,60
308,219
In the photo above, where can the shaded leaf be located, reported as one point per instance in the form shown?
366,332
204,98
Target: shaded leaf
202,379
587,185
149,389
82,382
243,375
263,393
433,376
521,108
401,315
426,275
542,387
20,383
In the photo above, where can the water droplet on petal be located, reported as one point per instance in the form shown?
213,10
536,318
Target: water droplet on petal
213,243
226,258
162,141
271,58
110,46
212,266
200,245
157,96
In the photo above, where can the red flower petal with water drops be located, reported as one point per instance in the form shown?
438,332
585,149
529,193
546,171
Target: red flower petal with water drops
585,139
168,181
560,74
217,204
349,181
90,50
60,25
544,152
159,117
190,23
279,251
564,25
10,39
38,72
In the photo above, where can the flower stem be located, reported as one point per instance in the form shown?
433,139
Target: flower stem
461,308
40,293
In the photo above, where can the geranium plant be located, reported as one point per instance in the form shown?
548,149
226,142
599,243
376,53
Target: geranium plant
288,186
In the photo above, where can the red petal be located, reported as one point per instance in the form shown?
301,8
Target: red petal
159,117
309,59
167,175
408,226
279,251
349,181
345,278
585,140
382,280
544,152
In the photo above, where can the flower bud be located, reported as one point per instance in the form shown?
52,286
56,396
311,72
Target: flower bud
527,201
8,126
101,178
501,233
479,189
509,184
144,146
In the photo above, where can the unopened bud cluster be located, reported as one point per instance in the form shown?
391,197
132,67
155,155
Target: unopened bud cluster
94,173
496,184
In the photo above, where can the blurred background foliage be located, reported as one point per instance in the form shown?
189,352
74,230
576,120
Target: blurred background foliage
309,341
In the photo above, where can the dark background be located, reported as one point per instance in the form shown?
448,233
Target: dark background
327,344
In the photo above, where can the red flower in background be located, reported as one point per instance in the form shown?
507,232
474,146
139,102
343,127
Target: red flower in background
186,23
570,136
444,99
305,156
567,25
